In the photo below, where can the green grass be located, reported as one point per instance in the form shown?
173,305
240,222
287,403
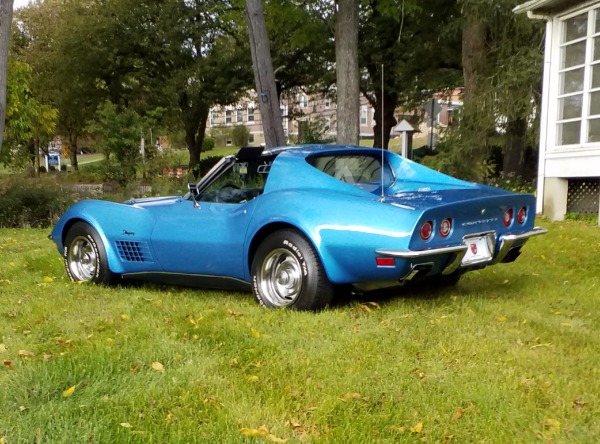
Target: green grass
509,355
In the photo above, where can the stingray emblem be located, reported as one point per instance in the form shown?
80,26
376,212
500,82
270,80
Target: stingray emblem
474,248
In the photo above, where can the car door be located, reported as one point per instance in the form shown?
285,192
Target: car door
206,235
203,239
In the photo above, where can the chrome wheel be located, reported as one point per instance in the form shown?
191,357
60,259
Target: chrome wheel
82,259
280,278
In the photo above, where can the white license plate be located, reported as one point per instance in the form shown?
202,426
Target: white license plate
478,250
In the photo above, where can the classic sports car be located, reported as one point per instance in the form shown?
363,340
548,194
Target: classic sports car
296,224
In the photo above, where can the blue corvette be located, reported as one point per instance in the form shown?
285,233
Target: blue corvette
296,224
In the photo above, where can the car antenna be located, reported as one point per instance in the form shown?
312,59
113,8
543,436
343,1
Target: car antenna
382,199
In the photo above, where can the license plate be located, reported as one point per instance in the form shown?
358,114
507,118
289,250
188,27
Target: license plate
478,250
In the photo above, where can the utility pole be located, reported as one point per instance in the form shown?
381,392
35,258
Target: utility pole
264,76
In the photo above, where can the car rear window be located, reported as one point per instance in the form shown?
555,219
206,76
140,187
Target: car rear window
357,169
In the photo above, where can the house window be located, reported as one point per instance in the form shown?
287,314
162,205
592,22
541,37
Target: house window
239,116
251,138
213,117
363,115
327,103
578,111
250,114
302,101
228,117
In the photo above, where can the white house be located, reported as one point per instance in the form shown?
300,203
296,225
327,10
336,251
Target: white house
569,162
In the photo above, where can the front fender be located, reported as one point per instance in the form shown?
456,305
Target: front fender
112,221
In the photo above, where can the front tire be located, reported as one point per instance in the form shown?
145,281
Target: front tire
85,256
287,273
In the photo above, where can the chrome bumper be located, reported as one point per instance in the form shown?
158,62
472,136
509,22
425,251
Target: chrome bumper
507,243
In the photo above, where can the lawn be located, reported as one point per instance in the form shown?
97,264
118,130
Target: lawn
509,355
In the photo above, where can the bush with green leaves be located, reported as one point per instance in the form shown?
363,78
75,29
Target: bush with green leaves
240,135
32,203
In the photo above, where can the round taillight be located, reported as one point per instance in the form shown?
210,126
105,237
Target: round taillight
426,230
445,227
522,215
508,217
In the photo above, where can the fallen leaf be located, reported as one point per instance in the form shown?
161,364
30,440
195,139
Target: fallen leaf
22,408
261,431
234,313
47,357
255,333
125,425
578,403
68,392
351,395
365,308
418,428
296,426
26,354
158,367
273,438
3,348
125,317
7,363
551,426
252,378
134,369
459,412
48,280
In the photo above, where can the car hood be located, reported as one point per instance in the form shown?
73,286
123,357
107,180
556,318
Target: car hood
153,201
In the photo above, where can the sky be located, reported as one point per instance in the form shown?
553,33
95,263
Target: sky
19,3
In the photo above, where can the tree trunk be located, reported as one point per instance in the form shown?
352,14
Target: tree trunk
347,72
473,53
382,140
6,13
264,76
73,151
514,147
194,138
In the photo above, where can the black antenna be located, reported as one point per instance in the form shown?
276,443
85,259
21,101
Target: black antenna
382,133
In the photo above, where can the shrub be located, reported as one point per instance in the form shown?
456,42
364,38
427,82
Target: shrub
207,163
32,203
208,143
240,135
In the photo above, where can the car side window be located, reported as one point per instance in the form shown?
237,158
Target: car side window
242,182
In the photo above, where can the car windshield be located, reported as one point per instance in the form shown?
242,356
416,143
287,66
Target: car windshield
363,171
239,183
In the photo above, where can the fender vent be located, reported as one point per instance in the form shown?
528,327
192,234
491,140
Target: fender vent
134,251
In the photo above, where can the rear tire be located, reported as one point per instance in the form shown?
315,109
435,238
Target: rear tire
287,273
85,256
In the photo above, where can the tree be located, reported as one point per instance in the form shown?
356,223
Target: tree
264,76
30,124
6,12
502,75
347,70
418,47
118,132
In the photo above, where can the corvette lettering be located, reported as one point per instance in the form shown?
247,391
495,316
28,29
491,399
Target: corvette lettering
479,222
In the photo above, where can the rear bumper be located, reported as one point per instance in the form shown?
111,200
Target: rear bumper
508,243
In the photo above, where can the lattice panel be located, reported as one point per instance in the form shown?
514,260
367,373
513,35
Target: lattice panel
584,196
